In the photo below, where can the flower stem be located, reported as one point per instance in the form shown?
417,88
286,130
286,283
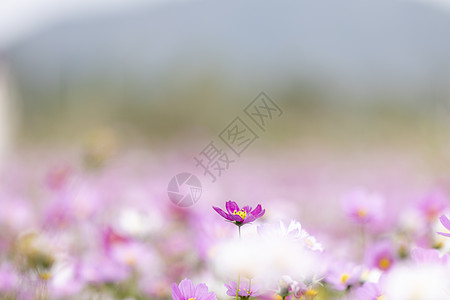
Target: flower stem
363,240
239,275
237,289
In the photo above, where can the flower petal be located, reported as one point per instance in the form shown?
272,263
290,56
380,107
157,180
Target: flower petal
444,234
176,293
247,209
231,206
221,212
236,218
200,290
445,221
258,211
249,219
187,288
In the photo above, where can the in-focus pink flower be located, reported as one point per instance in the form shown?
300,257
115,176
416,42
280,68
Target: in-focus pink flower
240,216
363,207
186,290
245,290
446,223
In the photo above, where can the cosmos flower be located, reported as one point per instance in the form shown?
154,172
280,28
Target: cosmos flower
255,255
240,216
381,256
293,231
246,290
186,290
342,275
433,204
363,207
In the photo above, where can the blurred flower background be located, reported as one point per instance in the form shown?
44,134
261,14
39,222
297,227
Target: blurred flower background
102,103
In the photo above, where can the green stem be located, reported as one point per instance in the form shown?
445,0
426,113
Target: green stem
239,275
237,290
363,240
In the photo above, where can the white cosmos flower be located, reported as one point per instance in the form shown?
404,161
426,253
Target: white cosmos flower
293,231
270,257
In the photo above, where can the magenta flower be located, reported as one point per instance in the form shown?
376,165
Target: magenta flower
240,216
245,290
188,291
446,223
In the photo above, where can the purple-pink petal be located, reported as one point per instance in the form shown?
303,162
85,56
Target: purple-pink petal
187,288
444,234
236,218
249,219
176,293
445,221
247,209
221,212
200,289
231,206
258,211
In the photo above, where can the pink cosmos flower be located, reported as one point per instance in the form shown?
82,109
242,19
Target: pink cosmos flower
370,291
446,223
433,204
363,207
245,290
381,256
342,275
186,290
240,216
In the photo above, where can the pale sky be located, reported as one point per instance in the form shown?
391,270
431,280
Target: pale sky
18,17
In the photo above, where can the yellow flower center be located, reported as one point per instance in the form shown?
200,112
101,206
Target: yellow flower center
384,263
311,293
382,297
345,277
361,212
45,275
241,213
191,299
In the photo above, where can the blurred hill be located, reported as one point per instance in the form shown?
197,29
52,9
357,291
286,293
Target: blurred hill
213,55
